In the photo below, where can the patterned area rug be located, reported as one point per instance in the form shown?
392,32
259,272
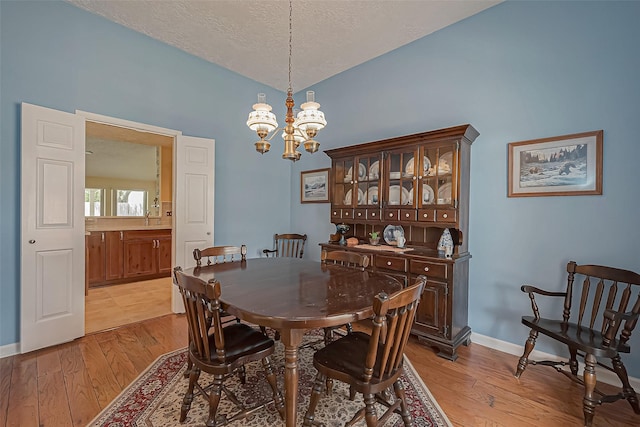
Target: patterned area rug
155,397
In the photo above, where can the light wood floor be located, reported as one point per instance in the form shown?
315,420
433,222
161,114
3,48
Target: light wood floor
67,385
111,306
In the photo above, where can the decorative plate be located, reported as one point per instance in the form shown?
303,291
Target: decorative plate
394,195
374,170
394,175
444,194
362,172
347,197
426,164
445,162
391,233
372,196
428,196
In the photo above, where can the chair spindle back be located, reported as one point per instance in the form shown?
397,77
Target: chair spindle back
346,258
220,254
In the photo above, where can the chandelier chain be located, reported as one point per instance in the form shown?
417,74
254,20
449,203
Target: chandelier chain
290,41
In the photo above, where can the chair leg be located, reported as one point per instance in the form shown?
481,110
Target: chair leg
627,390
271,378
315,397
214,399
528,347
187,372
404,410
590,401
328,335
242,374
573,360
349,327
370,414
188,397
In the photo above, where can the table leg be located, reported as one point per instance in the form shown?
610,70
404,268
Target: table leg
291,339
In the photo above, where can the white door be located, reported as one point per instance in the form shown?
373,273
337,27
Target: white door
194,188
52,234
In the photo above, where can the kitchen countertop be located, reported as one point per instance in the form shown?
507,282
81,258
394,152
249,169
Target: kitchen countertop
127,227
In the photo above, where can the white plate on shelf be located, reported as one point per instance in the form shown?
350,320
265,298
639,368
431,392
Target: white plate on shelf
347,197
428,195
394,195
426,164
372,196
362,172
445,163
394,175
444,194
391,233
374,170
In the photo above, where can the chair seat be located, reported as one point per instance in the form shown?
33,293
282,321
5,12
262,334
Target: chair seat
240,340
580,337
347,355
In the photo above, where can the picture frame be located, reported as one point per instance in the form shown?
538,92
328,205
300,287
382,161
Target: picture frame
567,165
315,186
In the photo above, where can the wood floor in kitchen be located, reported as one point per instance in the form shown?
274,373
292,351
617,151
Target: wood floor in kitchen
108,307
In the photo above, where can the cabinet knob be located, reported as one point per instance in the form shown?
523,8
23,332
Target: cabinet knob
406,215
121,235
445,216
335,213
32,241
420,177
359,214
425,215
388,262
426,269
390,215
373,214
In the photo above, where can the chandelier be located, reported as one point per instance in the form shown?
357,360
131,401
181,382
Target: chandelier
299,130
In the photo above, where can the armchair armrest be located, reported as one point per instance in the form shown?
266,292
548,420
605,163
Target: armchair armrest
532,290
617,316
267,252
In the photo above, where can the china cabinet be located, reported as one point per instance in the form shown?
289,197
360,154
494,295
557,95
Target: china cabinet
410,189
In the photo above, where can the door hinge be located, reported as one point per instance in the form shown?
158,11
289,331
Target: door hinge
455,203
446,290
446,331
457,145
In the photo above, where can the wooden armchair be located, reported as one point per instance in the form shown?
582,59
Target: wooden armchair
287,245
371,363
598,326
222,351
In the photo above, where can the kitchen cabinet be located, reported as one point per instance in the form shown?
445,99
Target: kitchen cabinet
418,184
147,253
127,255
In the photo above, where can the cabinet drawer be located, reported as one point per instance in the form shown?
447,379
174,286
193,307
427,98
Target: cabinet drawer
360,213
447,215
391,214
391,263
429,269
146,234
347,213
373,214
336,214
407,214
426,215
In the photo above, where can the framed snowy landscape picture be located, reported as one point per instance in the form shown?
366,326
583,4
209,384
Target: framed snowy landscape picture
568,165
314,186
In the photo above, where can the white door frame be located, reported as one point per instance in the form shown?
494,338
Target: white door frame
176,302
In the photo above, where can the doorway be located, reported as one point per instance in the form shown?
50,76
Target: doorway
125,160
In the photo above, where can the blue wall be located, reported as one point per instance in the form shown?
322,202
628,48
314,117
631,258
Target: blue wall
62,57
517,71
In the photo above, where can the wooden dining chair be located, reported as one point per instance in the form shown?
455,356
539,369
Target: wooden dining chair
220,254
600,311
371,363
287,245
220,351
348,259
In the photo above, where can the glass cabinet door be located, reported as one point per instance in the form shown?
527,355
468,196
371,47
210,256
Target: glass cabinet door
343,182
369,181
439,175
401,178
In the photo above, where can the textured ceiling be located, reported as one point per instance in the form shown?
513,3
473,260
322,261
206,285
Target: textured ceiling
251,37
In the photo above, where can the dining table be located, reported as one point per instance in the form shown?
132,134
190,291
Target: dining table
293,296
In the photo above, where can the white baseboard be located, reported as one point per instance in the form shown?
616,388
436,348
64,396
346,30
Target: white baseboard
9,350
510,348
